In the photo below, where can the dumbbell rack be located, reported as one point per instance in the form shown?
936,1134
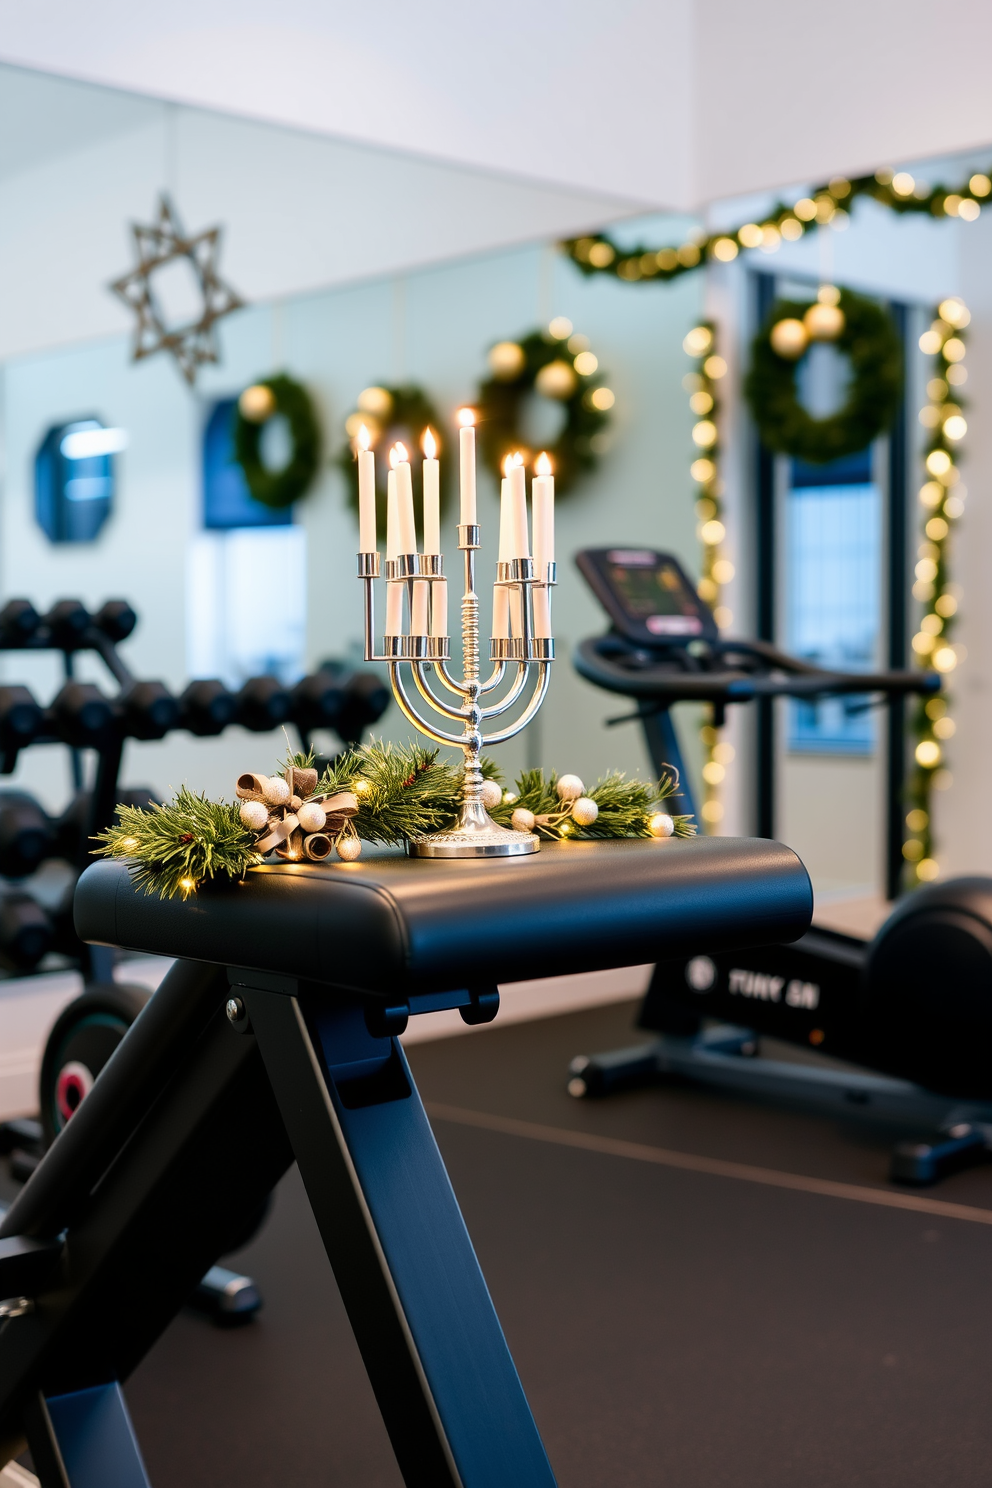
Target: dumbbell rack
82,717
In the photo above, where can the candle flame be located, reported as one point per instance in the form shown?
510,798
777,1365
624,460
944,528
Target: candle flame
466,417
396,454
364,438
517,459
542,465
508,466
429,443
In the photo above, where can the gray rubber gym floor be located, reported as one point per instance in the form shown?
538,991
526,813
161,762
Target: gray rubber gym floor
682,1310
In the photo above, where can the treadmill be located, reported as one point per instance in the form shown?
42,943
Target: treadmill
912,1007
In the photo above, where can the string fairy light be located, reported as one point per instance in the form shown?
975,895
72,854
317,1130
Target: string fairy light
717,570
942,498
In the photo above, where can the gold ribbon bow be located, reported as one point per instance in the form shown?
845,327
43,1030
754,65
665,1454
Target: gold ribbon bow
289,797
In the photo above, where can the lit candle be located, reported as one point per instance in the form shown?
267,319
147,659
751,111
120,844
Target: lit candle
466,454
520,542
432,495
366,494
404,499
542,496
394,591
439,607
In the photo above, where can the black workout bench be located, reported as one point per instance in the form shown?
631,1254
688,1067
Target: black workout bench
274,1039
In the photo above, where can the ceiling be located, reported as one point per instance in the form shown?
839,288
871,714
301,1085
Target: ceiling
663,103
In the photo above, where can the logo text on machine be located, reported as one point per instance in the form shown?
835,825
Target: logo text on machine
766,987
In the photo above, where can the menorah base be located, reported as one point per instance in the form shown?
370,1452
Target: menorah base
476,835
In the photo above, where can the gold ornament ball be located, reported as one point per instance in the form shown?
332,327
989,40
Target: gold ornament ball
661,825
789,339
311,817
823,322
506,360
522,820
492,794
349,848
257,403
276,791
570,788
254,815
584,812
377,401
556,380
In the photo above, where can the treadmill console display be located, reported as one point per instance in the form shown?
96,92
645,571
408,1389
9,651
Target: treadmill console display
647,595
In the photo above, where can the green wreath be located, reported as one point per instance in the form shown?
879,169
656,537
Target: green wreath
390,414
869,340
559,367
257,404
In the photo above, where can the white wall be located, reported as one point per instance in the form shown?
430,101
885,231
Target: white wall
666,102
431,327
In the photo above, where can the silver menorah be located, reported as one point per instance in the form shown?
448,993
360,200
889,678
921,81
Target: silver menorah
475,834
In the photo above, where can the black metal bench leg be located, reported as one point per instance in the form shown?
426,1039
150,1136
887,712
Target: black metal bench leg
423,1318
85,1440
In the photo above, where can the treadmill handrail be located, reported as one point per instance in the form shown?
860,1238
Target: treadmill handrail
791,677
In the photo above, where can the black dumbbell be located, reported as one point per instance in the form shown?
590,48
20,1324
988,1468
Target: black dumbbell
67,623
72,826
148,711
26,834
26,932
262,704
18,622
317,700
206,708
116,619
21,718
82,716
366,699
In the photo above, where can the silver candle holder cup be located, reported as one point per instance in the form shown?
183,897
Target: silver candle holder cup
475,834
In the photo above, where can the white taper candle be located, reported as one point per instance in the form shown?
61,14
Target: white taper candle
466,467
367,537
432,495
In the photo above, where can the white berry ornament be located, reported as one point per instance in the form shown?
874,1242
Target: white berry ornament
584,811
254,814
492,794
276,791
522,820
569,788
661,825
311,817
349,848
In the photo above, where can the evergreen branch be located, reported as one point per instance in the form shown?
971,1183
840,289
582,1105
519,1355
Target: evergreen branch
172,849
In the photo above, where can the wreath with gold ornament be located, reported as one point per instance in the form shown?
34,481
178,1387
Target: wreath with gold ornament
865,334
556,364
265,400
391,415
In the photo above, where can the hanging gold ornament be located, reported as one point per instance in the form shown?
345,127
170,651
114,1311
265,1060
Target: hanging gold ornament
789,339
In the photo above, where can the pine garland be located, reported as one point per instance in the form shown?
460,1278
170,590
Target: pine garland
825,204
403,792
626,807
174,848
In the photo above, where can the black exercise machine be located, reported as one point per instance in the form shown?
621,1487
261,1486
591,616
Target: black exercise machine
274,1040
914,1004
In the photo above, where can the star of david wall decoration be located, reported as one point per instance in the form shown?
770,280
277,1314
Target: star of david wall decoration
161,243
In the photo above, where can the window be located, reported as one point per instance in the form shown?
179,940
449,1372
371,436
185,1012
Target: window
833,599
247,579
227,501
